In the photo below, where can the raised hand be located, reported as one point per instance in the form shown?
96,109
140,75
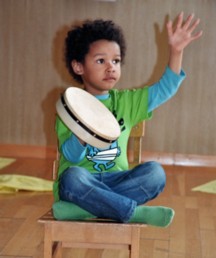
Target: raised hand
179,37
182,35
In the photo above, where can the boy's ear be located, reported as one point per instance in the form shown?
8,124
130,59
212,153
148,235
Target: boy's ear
77,67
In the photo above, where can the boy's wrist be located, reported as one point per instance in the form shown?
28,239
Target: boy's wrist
176,52
175,60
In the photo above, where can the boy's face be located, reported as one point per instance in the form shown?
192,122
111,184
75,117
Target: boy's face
101,69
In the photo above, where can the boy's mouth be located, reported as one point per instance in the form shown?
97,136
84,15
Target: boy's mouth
109,79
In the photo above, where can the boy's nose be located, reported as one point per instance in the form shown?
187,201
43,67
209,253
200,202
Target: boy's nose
110,67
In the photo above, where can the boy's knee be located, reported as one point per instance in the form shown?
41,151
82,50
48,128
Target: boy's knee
158,170
158,175
157,167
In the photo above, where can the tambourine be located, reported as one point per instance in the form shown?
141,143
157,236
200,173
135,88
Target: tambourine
87,118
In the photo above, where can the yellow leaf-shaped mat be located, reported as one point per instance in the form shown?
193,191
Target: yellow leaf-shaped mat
209,187
4,162
13,183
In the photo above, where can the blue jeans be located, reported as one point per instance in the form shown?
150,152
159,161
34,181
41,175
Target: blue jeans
112,195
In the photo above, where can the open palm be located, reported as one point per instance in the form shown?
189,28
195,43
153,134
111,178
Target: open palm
182,35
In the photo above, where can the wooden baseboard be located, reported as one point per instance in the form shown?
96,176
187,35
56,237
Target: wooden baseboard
27,151
180,159
49,152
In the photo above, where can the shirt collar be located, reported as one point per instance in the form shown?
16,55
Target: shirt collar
102,97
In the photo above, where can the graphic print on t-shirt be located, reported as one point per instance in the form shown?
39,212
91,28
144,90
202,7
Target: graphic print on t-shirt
103,158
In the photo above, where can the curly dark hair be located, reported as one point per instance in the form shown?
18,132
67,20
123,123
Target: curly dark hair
79,39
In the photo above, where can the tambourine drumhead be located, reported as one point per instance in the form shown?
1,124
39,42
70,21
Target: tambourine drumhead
87,117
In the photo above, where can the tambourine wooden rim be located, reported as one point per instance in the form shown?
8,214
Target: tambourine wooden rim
87,130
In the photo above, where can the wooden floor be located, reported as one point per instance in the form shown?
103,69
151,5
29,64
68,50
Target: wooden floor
191,235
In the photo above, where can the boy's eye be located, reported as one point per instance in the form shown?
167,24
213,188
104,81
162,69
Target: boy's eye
116,61
100,61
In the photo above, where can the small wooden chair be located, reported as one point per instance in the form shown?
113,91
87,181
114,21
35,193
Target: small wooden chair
96,234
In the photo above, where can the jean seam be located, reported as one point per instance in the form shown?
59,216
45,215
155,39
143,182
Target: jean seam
143,189
140,186
85,195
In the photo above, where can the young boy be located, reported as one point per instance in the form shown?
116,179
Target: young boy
85,189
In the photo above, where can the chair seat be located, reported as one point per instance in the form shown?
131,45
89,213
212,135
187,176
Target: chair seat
96,234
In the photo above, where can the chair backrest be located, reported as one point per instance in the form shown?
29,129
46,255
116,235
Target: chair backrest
136,135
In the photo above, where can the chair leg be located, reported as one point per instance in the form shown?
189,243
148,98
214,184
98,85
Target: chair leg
57,250
47,242
135,243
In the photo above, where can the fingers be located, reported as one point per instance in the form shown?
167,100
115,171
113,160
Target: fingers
180,20
188,21
178,25
169,28
197,35
189,26
194,25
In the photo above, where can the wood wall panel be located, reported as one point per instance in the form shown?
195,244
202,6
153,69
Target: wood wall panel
32,71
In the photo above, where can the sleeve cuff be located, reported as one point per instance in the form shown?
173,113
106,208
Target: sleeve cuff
178,77
73,150
76,142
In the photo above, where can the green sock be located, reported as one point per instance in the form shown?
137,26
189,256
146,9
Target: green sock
69,211
153,215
